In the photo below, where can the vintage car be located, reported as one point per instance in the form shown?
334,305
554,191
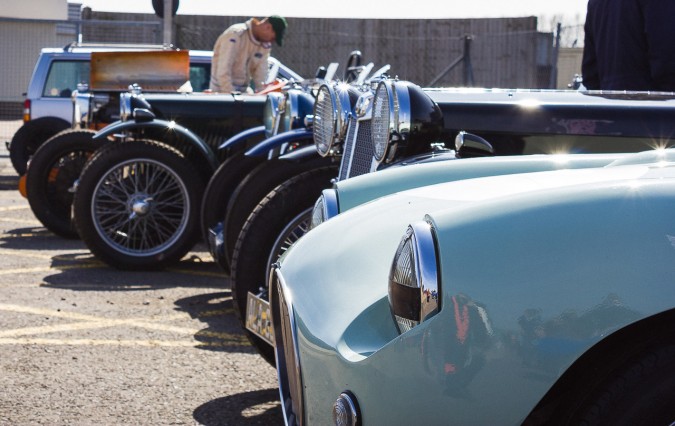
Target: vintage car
506,122
537,298
58,74
210,118
138,205
242,181
419,126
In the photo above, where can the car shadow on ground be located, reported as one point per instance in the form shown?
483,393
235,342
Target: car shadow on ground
76,268
37,238
259,407
224,331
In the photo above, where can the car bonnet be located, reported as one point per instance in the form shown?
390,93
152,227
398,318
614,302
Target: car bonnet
339,271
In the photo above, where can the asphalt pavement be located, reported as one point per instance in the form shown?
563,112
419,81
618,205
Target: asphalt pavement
82,343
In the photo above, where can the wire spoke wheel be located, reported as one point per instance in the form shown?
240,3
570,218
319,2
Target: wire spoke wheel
290,234
140,207
278,221
137,204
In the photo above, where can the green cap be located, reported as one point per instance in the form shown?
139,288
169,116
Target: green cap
279,24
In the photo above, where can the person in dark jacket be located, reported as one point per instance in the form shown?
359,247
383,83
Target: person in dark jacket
629,45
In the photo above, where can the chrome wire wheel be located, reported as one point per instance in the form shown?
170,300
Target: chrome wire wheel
140,207
295,229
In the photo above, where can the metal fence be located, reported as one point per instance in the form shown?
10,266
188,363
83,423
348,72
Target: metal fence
503,52
494,52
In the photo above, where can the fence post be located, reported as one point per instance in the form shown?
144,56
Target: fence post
468,68
465,58
168,8
553,83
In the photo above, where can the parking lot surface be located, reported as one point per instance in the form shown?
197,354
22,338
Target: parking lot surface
82,343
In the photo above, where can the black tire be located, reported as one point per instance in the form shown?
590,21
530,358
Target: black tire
29,137
639,394
279,219
218,192
137,205
254,187
52,171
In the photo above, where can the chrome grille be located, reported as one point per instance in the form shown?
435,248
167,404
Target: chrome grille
348,148
363,151
288,366
357,158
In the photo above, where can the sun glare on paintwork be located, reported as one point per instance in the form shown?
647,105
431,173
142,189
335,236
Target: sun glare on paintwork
530,103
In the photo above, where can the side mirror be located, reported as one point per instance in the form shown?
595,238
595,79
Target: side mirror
468,145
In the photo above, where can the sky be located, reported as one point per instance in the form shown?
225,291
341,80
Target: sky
568,12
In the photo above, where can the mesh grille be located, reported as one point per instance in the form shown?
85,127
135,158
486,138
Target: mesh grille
348,149
362,160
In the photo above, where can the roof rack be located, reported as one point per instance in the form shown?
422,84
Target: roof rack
74,45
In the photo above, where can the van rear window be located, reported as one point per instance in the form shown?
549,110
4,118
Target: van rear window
64,76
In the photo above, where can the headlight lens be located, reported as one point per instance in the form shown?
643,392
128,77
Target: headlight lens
325,119
414,293
325,207
391,120
297,105
382,119
271,113
334,104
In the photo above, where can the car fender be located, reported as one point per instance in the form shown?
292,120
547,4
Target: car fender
303,153
192,138
241,137
573,255
275,141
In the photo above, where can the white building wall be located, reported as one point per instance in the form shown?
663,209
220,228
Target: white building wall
569,64
22,35
34,9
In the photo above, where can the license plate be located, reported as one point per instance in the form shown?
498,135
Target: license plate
258,318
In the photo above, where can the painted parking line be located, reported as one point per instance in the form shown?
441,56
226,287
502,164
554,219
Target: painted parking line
22,221
12,208
26,335
101,342
24,270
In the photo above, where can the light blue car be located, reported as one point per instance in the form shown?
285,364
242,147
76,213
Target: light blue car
536,298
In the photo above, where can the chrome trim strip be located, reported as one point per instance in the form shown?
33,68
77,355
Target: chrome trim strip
331,204
427,269
289,373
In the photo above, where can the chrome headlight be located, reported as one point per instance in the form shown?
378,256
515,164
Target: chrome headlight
297,106
334,104
271,113
414,293
391,116
405,121
325,207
